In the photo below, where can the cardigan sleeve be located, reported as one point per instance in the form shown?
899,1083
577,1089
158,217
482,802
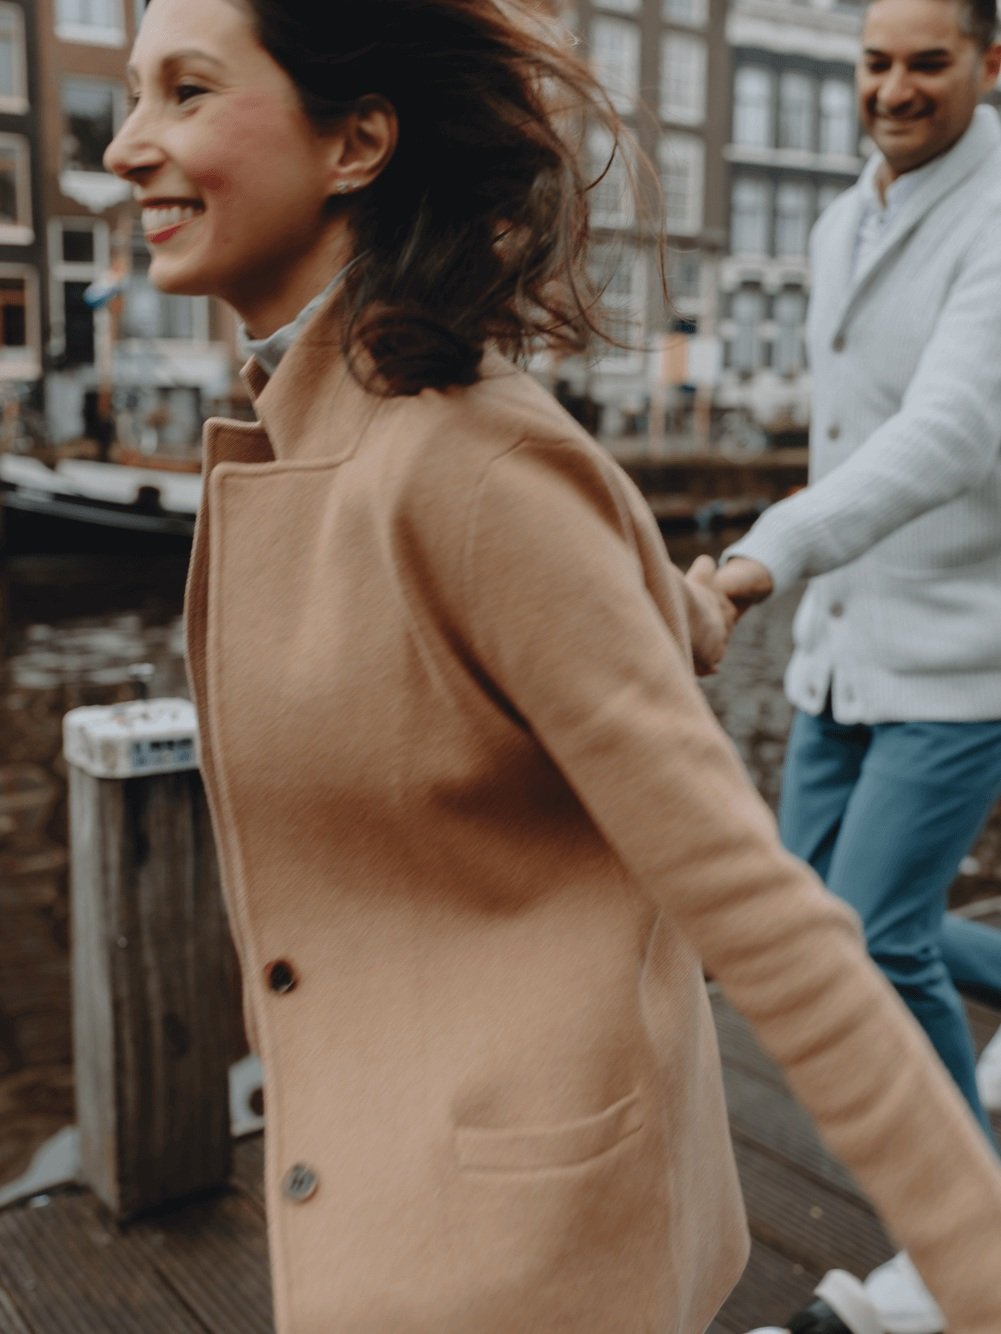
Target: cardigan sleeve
942,441
575,619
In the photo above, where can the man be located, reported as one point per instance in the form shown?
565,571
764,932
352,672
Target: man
895,755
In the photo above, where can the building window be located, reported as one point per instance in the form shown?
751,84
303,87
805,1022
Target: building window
610,196
684,278
790,311
837,118
753,112
618,270
91,115
19,323
748,311
682,170
793,217
15,187
797,111
750,222
80,254
682,78
96,21
692,13
616,58
13,82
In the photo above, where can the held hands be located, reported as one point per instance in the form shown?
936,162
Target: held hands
714,615
744,582
719,598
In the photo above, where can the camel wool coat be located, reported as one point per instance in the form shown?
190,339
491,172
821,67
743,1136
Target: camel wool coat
479,835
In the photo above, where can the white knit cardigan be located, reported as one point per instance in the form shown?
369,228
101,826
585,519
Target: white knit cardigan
899,531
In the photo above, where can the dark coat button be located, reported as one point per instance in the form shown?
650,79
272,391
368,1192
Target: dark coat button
833,431
281,976
300,1183
837,609
839,343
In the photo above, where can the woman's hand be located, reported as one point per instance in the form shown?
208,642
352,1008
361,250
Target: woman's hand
714,615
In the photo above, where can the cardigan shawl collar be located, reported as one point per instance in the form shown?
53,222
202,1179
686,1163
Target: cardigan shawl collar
982,138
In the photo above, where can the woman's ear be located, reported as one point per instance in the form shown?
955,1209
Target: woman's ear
362,144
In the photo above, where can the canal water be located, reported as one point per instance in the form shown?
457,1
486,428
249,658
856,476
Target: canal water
72,628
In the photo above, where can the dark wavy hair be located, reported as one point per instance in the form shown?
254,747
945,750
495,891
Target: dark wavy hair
477,230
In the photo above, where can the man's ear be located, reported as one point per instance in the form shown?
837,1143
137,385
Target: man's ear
362,144
992,66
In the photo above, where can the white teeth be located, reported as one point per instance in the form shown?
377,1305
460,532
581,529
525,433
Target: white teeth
158,216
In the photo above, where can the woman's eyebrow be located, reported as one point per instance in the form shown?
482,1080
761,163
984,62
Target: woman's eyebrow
178,58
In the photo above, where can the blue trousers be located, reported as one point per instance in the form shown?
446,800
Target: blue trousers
884,814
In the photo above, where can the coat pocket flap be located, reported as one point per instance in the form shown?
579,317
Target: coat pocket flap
530,1147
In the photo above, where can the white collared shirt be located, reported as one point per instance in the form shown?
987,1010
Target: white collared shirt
880,211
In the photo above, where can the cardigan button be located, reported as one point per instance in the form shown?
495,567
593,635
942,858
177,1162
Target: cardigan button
839,343
281,976
300,1183
837,609
833,431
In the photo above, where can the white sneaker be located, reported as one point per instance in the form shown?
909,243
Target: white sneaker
841,1305
989,1074
904,1304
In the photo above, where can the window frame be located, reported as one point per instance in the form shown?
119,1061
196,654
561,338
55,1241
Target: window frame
63,271
698,20
29,366
16,101
790,105
765,186
757,359
22,230
117,114
767,77
91,34
695,152
693,112
785,190
825,119
629,307
624,101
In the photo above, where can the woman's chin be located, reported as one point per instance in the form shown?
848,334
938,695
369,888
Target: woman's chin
174,278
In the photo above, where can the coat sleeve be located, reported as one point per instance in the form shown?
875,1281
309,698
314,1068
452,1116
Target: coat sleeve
944,440
579,623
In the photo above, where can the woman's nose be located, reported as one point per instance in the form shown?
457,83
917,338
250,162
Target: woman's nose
132,152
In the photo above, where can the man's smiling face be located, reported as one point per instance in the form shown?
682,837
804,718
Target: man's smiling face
919,79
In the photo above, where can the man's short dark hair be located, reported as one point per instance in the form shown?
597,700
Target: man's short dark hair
977,19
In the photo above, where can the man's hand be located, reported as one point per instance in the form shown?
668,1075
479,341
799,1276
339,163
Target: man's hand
744,582
715,616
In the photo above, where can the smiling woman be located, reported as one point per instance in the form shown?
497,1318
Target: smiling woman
263,147
478,830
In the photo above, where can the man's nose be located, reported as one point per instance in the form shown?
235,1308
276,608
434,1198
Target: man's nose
896,89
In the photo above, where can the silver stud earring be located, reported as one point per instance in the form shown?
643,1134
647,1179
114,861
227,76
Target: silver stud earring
344,187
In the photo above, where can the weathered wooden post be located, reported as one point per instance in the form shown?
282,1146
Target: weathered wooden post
152,963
